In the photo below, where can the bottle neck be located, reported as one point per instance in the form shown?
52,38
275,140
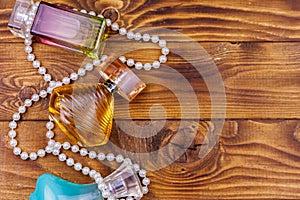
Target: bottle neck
110,86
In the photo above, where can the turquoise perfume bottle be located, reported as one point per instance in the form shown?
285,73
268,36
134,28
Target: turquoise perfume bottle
60,26
49,187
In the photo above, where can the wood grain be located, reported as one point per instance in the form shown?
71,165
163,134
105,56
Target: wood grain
253,159
234,20
261,80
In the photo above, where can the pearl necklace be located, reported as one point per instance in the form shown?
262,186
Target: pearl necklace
55,147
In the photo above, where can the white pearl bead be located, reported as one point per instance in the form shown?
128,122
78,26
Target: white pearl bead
66,145
163,59
12,134
162,43
143,173
17,151
75,9
58,84
165,51
47,77
96,62
101,186
110,157
92,155
13,143
70,162
122,31
43,93
111,198
75,148
42,70
130,62
41,153
83,11
12,124
85,170
99,181
35,97
104,57
66,80
146,181
62,157
51,143
28,49
145,190
30,57
138,65
101,16
130,35
56,152
28,102
155,39
115,26
24,155
108,22
74,76
36,64
137,36
129,198
83,152
27,42
119,158
78,166
92,13
146,37
156,64
97,175
147,66
57,145
49,134
50,90
16,116
49,149
89,66
52,84
33,156
123,59
136,167
92,173
22,109
101,156
81,72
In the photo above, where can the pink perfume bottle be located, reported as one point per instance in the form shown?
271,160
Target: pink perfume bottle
59,26
84,112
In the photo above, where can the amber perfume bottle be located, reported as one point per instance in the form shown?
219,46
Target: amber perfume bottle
84,112
60,26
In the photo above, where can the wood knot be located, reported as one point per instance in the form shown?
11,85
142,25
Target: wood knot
111,13
26,92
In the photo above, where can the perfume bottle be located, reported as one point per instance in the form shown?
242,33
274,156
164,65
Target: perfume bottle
51,187
60,26
84,112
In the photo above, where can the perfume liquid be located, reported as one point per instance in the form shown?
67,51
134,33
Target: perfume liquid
60,26
84,112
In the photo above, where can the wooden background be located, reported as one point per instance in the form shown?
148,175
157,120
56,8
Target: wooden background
255,45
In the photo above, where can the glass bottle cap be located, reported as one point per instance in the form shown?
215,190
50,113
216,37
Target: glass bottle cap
128,83
19,16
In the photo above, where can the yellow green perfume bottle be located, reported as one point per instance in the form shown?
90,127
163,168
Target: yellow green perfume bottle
84,112
60,26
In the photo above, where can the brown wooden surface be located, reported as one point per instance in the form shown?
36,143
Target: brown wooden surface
253,43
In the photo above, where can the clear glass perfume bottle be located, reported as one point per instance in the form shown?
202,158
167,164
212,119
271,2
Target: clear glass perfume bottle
60,26
84,112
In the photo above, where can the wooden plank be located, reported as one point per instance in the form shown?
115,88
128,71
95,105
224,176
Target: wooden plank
261,80
206,20
252,159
